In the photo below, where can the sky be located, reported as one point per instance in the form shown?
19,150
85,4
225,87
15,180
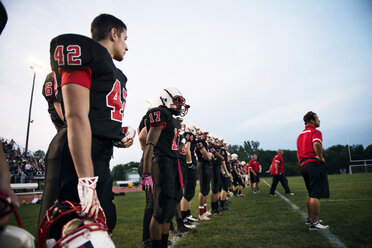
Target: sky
249,69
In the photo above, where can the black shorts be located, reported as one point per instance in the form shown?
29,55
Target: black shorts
190,183
166,188
254,178
316,179
216,178
225,182
204,177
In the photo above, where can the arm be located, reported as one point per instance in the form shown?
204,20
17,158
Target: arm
142,137
188,153
58,108
268,171
5,179
148,152
206,154
318,148
79,134
276,168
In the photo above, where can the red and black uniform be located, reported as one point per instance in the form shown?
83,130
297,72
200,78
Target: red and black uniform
256,168
80,60
167,181
190,178
278,176
182,159
149,207
225,180
50,90
313,170
203,168
236,176
215,166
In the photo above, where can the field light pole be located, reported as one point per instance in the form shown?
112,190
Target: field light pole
33,68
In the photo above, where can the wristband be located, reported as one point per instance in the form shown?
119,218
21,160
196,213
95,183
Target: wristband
151,144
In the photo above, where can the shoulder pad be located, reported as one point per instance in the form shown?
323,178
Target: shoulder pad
157,116
71,51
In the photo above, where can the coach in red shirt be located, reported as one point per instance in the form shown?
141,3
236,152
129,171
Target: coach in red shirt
311,158
276,170
254,168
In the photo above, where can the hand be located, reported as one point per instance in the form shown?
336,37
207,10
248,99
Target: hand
129,134
147,182
89,202
230,176
268,171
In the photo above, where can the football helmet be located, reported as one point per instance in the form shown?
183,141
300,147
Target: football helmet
63,219
173,100
234,156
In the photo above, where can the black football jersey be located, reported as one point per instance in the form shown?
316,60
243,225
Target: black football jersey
108,84
213,149
182,150
169,138
50,92
199,145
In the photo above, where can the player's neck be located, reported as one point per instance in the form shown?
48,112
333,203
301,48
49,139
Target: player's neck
108,45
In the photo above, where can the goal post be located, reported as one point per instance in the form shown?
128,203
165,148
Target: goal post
359,168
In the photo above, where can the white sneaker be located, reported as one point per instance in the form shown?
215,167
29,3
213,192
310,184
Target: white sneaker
317,226
290,193
308,221
190,218
208,213
203,217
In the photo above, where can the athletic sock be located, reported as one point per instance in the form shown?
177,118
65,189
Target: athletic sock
222,204
184,214
188,213
201,210
205,208
164,240
156,243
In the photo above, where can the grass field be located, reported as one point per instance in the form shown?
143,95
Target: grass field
258,220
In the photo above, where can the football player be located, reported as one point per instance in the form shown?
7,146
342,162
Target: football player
204,158
94,96
160,161
190,179
50,92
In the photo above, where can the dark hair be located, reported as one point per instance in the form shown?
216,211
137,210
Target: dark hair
309,116
101,26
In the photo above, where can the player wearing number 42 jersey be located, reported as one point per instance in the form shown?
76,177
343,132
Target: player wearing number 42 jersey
94,96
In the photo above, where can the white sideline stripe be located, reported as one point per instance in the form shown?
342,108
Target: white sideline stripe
333,239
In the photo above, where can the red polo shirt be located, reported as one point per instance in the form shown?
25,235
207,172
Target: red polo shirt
277,159
255,165
305,142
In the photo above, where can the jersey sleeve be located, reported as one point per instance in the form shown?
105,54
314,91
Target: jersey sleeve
156,117
72,52
316,137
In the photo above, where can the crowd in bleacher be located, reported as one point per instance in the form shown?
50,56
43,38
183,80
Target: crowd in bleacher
23,167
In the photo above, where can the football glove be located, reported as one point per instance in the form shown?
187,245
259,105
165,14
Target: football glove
129,134
89,202
147,182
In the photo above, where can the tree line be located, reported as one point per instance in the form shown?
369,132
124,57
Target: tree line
337,157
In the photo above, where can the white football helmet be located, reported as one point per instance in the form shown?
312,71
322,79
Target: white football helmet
75,230
173,100
243,163
190,128
234,156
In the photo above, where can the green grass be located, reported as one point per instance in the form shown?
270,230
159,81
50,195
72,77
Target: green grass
258,220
